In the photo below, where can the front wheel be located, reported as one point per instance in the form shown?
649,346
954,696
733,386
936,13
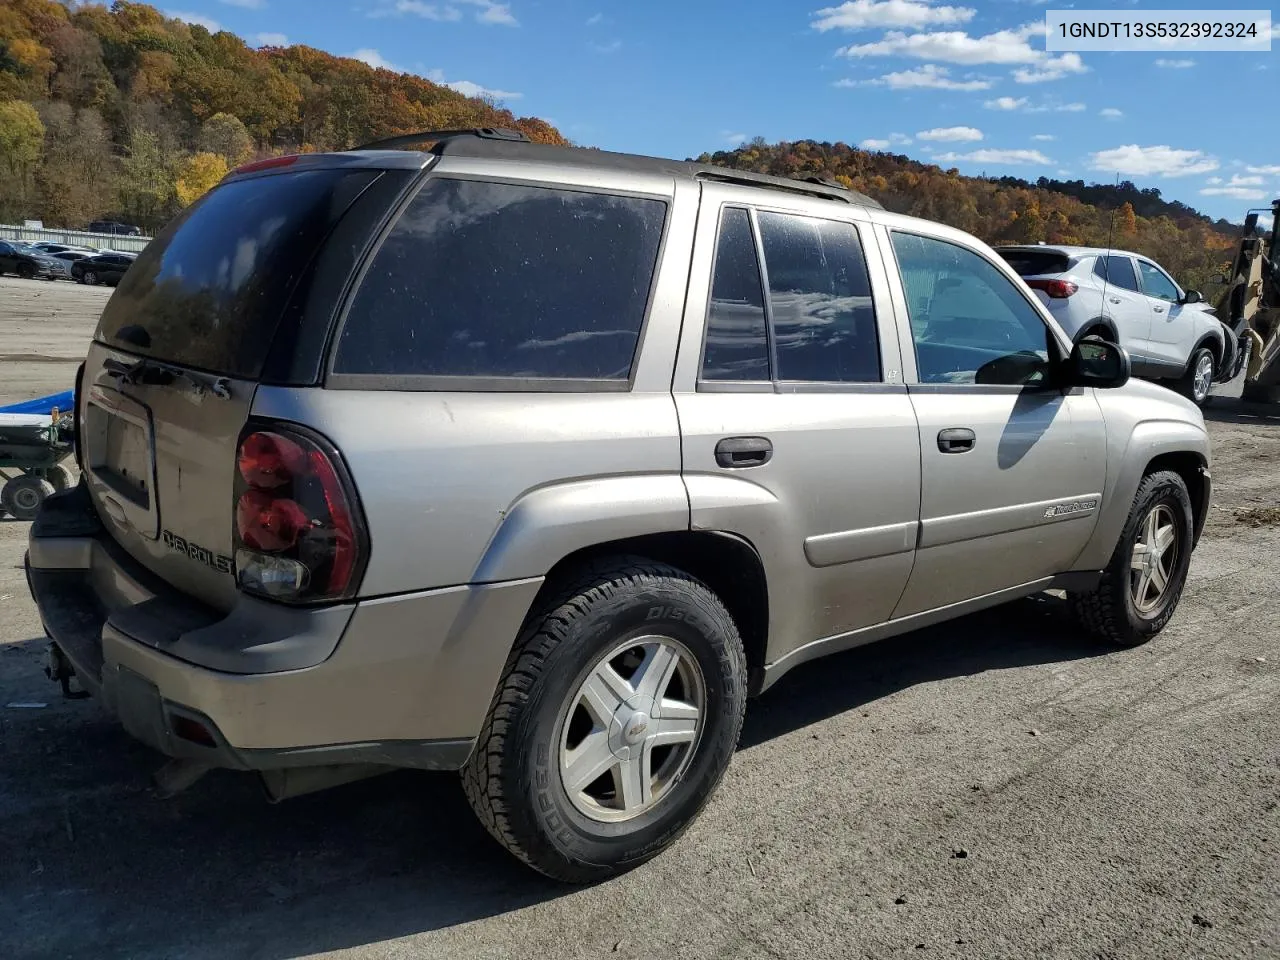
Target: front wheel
1142,584
21,497
90,277
1198,380
616,718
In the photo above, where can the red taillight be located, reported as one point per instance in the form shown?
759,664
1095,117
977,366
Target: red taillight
266,164
1056,289
298,532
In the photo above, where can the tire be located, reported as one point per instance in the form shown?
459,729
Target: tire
60,477
1196,383
90,277
514,778
21,497
26,271
1111,611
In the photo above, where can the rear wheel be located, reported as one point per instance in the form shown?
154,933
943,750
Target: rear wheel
1198,380
21,497
90,277
615,720
1142,584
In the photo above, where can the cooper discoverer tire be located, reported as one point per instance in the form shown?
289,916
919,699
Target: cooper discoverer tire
1143,582
571,671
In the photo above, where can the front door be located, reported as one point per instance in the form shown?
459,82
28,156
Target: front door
1012,470
1171,332
796,429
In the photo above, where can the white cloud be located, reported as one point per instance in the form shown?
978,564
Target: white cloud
1213,181
928,77
1239,181
951,134
868,14
1063,172
1006,103
196,19
1044,137
1175,64
1011,157
469,89
613,46
1111,113
486,11
893,140
1158,161
733,139
246,4
374,59
1272,170
594,19
271,39
1004,47
874,144
1236,193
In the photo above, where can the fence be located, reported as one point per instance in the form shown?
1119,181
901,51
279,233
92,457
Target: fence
105,241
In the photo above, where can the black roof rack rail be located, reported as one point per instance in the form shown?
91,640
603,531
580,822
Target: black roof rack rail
812,186
435,136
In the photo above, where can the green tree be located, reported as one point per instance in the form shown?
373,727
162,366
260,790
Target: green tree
146,180
21,142
225,135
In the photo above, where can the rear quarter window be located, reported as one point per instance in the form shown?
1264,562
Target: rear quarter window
521,284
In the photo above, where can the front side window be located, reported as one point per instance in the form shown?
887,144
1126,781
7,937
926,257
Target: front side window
1156,284
499,280
969,323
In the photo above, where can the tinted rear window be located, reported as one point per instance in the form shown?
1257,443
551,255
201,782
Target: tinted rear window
1035,263
497,280
209,290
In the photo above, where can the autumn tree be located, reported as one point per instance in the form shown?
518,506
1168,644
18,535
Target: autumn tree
78,169
146,181
197,175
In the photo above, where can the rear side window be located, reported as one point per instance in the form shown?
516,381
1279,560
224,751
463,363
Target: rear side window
1035,263
1117,271
496,280
824,324
209,291
737,345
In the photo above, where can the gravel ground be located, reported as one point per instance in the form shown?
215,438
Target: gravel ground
999,787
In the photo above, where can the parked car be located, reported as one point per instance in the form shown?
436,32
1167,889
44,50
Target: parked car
27,261
534,463
103,268
1172,335
114,228
55,248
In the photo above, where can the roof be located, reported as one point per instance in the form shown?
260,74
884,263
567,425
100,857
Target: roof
497,144
1068,249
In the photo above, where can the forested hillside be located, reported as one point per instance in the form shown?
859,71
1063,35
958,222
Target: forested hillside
122,112
1007,210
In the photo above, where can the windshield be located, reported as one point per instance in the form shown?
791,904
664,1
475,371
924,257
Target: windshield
209,291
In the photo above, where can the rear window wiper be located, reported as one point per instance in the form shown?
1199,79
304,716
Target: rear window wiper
148,372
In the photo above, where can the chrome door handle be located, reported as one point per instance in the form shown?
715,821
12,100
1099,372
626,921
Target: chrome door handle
1158,309
1114,299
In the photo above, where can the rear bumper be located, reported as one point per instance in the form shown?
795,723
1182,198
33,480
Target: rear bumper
400,681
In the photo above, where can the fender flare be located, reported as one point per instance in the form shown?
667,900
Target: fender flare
1092,325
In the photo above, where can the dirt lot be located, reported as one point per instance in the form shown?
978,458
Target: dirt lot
995,788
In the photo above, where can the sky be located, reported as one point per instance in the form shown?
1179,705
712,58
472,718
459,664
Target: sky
963,83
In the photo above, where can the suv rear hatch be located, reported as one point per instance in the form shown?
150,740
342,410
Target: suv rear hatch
169,380
1043,269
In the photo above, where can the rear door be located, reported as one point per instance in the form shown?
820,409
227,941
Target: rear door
1124,303
797,432
172,371
1011,471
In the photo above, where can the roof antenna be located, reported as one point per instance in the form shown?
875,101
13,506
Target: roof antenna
1106,263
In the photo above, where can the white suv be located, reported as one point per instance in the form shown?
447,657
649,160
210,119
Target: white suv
1170,334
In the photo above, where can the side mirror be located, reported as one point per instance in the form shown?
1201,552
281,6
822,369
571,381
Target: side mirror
1097,363
1192,296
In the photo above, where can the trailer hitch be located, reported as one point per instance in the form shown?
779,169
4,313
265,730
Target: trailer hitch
58,669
